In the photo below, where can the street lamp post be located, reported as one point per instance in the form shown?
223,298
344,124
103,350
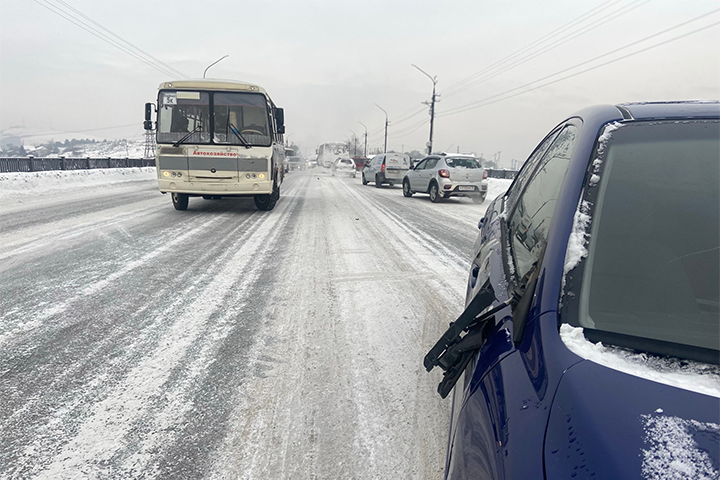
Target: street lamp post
216,61
386,125
432,107
365,152
354,143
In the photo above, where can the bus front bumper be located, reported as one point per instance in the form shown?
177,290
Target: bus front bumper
242,188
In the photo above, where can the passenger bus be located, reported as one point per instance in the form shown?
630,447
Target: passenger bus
218,138
329,152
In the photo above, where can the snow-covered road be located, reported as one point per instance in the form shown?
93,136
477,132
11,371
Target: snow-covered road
137,341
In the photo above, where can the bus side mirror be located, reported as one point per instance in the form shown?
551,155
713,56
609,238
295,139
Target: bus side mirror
148,112
281,129
280,118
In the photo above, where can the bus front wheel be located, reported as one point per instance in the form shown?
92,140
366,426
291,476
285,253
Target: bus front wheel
180,200
267,202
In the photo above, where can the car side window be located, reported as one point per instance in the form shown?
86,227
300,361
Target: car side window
526,171
530,221
431,163
421,165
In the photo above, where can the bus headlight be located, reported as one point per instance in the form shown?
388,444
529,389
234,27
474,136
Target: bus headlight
261,175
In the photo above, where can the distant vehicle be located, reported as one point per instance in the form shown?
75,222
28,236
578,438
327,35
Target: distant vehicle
590,341
289,152
387,168
343,166
296,163
312,162
443,176
238,154
360,162
329,152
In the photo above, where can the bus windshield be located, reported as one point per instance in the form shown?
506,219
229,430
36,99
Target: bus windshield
238,118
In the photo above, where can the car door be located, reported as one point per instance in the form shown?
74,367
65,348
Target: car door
502,378
370,169
413,176
427,173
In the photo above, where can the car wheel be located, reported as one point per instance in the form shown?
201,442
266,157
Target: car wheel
479,198
364,182
434,193
378,183
406,189
180,200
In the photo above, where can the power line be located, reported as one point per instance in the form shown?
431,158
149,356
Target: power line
537,42
138,49
93,31
570,36
484,102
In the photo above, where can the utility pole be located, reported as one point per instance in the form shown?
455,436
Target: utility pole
365,152
386,125
432,107
354,143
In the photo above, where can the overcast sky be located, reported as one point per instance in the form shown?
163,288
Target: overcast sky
329,62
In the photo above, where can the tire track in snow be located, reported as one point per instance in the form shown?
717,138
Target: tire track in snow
100,436
350,410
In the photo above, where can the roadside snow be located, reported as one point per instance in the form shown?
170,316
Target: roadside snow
688,375
674,454
54,181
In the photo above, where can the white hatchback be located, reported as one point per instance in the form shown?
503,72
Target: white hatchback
343,166
444,176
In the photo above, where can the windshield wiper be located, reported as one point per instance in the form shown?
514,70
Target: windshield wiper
237,133
198,128
454,350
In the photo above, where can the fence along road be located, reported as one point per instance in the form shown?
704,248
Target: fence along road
32,164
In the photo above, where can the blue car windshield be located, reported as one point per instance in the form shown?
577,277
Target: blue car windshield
651,277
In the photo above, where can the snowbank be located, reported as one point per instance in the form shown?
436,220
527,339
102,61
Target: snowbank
45,183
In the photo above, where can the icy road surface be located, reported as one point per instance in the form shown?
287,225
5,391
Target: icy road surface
137,341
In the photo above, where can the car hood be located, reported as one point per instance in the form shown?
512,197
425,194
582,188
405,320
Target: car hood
608,424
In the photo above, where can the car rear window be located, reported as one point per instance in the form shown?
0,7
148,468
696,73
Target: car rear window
462,163
651,280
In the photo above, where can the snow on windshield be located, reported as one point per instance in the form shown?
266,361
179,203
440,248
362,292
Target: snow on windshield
674,454
693,376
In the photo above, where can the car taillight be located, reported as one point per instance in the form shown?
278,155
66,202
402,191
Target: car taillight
484,174
382,168
444,173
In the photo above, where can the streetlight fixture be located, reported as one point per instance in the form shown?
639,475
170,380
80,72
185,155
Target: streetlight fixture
216,61
386,125
365,152
432,106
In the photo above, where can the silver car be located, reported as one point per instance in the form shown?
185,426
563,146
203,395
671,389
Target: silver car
444,176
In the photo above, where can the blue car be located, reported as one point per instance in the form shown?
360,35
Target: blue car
589,347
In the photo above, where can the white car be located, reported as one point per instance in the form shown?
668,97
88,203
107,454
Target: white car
443,176
343,166
387,168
